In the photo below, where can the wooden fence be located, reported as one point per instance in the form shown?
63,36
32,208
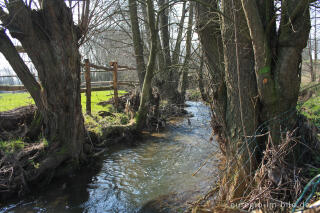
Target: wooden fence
115,68
88,86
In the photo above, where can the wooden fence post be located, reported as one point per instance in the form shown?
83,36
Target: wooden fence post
115,82
88,86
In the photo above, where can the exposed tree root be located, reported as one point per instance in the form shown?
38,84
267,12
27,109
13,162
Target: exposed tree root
15,169
18,123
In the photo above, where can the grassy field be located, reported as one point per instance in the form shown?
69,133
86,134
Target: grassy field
9,101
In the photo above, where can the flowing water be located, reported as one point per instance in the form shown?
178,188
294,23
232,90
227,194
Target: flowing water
131,176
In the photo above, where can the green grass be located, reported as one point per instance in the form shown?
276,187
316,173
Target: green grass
9,101
11,146
96,123
97,97
311,108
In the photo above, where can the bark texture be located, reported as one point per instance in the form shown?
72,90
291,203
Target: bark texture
256,74
146,96
50,38
137,41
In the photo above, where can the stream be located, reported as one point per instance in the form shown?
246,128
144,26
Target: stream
130,176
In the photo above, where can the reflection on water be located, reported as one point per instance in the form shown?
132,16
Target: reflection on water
131,176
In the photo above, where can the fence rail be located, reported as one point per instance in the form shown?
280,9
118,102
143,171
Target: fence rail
88,86
11,88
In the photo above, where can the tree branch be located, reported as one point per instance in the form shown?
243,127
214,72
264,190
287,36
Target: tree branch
10,53
300,7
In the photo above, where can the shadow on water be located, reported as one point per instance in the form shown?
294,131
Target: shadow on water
129,177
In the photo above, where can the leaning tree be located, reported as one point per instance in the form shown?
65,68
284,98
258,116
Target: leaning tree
50,38
253,53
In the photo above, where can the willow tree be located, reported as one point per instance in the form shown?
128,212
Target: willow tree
256,70
50,38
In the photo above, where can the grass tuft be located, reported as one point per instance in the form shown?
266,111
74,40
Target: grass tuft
11,146
311,109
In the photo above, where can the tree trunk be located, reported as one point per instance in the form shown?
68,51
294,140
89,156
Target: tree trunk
145,100
50,39
176,51
311,65
316,66
146,27
262,77
185,68
137,41
169,78
204,95
241,92
209,31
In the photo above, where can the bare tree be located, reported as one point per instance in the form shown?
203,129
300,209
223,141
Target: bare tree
51,40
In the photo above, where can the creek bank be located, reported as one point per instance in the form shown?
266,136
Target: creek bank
99,138
126,177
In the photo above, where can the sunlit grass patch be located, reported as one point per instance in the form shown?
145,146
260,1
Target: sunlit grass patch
96,123
9,101
11,146
97,97
311,108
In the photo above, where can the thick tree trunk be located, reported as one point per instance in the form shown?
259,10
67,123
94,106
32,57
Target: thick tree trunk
49,37
261,78
241,118
137,41
278,62
209,31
